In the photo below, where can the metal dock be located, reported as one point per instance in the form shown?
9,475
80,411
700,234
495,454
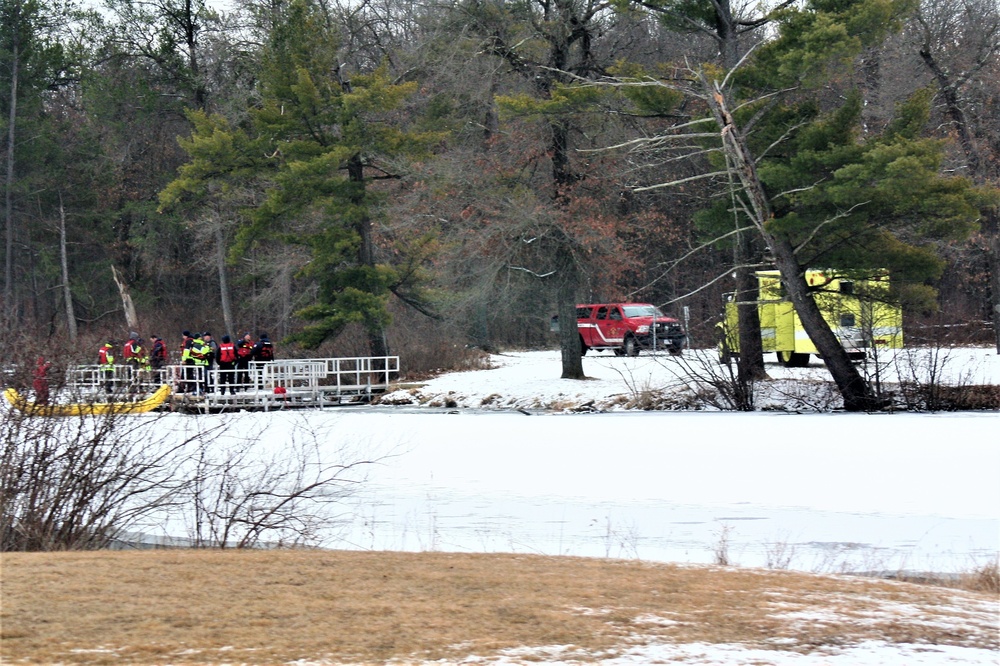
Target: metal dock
280,384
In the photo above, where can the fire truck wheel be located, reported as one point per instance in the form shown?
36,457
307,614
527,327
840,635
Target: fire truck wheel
793,360
583,347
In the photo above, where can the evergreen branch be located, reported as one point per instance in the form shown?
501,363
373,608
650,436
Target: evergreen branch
416,303
749,26
693,25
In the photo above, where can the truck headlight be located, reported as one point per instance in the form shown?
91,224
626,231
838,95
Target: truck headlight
642,329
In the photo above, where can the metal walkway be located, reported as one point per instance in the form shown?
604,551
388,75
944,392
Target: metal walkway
282,384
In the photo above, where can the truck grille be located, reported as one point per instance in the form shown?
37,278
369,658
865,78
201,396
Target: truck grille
669,330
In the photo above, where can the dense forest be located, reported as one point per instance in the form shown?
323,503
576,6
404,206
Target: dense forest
384,176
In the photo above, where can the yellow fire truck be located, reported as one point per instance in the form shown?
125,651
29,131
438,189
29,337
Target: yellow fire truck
858,311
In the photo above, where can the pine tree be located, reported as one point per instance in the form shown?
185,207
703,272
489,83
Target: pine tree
316,143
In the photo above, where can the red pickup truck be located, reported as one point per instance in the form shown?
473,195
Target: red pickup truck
626,328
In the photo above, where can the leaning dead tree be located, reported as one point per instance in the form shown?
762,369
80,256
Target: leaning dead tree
131,319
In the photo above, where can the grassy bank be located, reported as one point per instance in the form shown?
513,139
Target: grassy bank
264,607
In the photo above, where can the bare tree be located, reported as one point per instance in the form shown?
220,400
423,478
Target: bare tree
959,42
568,30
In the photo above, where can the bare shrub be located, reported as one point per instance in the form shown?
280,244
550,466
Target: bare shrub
720,550
432,358
618,541
428,347
800,395
77,483
244,493
779,554
984,578
924,383
89,482
717,381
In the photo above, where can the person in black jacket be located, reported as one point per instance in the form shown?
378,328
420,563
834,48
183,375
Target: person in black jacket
263,350
213,356
158,353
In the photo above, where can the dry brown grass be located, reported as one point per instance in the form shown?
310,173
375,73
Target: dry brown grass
267,607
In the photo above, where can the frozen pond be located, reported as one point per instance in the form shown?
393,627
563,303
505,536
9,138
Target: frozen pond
831,492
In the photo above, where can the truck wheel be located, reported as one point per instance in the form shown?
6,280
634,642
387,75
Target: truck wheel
631,348
793,360
583,347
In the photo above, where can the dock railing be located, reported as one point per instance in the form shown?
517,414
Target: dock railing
287,382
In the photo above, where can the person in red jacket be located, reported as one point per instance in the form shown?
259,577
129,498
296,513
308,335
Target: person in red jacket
41,383
132,349
226,356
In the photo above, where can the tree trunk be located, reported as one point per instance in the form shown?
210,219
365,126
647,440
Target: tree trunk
224,295
8,284
64,262
377,343
750,366
569,337
854,389
991,229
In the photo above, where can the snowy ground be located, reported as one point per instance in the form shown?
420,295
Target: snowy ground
503,460
530,380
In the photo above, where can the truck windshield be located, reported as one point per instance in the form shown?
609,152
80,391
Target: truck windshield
643,311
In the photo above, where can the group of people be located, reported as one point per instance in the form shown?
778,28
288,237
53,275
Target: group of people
196,350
